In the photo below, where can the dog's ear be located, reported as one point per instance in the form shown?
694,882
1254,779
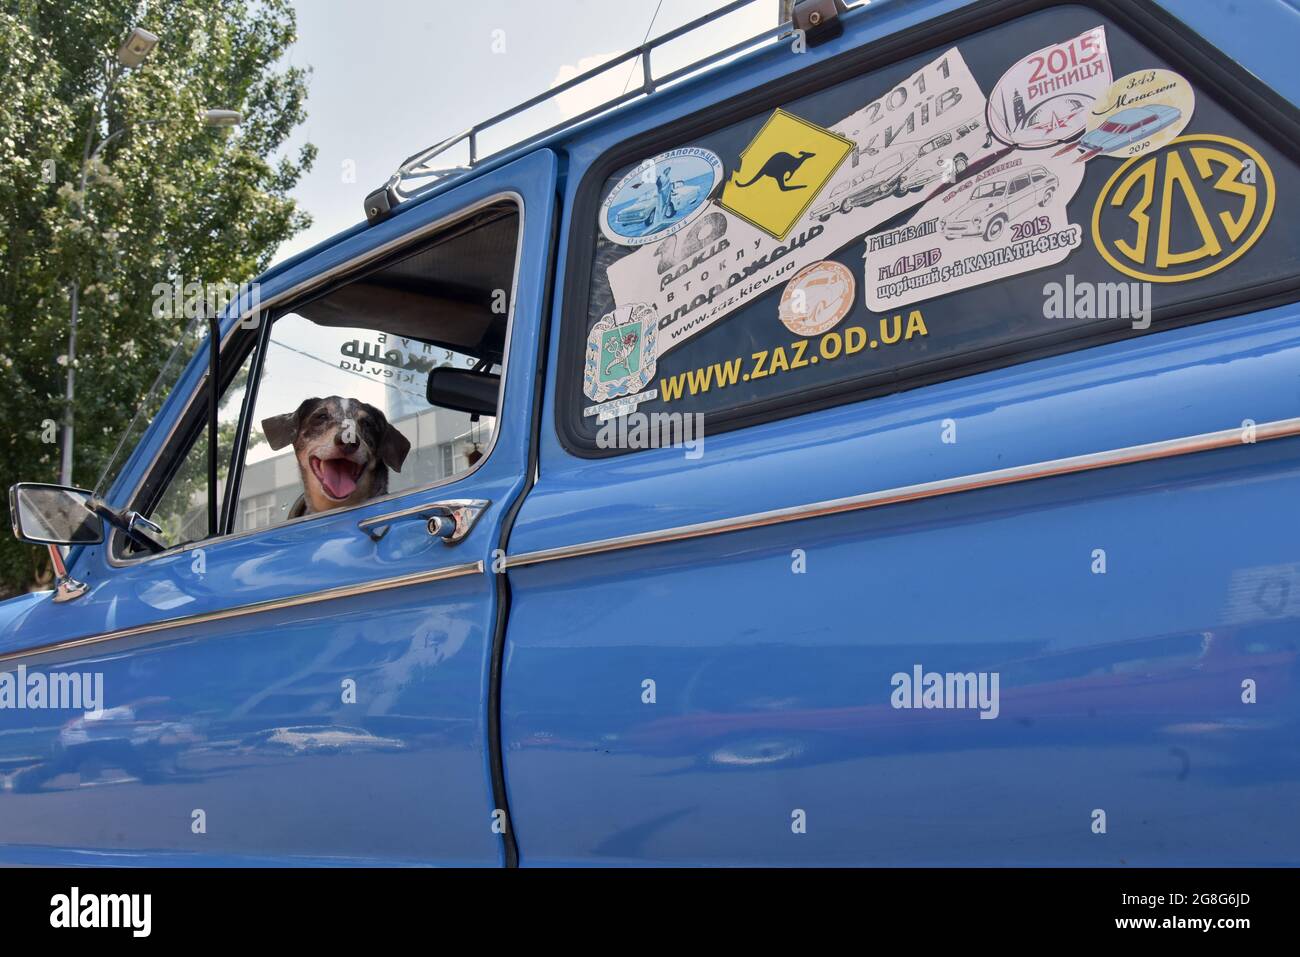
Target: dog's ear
280,430
393,447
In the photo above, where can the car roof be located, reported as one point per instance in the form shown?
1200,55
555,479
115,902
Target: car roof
1135,112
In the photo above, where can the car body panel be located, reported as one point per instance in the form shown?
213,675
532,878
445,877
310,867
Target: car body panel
246,720
1121,692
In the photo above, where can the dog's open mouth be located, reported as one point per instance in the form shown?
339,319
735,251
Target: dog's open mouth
338,477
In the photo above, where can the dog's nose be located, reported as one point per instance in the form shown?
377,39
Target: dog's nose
343,443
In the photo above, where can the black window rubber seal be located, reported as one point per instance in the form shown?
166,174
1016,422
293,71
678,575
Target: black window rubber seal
496,751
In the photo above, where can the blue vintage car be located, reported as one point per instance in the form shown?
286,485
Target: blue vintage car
1128,126
484,534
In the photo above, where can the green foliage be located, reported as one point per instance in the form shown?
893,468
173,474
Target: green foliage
168,201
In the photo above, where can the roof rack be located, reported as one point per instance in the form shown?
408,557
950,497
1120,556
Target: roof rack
818,18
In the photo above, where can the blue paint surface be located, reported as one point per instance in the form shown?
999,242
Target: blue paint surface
696,702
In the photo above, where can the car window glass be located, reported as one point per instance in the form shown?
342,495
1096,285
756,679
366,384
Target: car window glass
343,413
365,366
182,509
778,289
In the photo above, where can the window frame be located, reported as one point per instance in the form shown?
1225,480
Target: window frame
181,436
1263,111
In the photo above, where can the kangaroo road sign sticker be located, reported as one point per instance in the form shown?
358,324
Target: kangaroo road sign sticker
659,196
781,171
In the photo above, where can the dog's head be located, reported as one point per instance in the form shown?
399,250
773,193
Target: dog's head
344,449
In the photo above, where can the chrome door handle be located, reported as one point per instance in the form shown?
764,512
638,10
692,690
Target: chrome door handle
450,520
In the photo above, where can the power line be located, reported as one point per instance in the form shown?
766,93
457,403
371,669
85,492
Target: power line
643,42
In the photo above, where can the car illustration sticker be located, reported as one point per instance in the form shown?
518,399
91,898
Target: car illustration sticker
906,144
781,172
817,298
659,196
1006,220
1140,113
1044,99
621,357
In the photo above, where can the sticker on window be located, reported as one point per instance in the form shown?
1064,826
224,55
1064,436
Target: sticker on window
1224,190
781,172
660,196
1009,219
1139,114
895,154
1045,98
621,352
817,298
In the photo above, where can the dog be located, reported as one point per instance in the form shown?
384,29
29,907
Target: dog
344,448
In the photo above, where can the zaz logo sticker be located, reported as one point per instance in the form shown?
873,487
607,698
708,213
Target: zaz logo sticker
659,196
1185,212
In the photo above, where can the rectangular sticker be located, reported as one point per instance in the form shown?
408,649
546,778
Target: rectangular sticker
922,133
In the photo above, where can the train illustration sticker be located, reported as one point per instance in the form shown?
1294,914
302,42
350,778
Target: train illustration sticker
659,196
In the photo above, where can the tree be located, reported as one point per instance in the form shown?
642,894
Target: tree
167,201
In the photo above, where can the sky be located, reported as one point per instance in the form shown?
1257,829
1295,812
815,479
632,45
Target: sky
378,94
390,77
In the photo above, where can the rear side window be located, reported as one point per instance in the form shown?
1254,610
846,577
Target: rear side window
1046,183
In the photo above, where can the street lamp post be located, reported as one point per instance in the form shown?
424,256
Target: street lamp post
129,56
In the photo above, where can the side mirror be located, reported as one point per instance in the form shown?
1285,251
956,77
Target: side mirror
54,515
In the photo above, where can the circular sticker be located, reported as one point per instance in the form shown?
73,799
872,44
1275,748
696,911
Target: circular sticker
659,196
1140,113
1225,196
1043,100
817,298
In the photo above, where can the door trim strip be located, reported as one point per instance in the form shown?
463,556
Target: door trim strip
1168,448
255,608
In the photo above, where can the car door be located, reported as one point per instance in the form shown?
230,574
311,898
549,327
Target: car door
318,688
1006,582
